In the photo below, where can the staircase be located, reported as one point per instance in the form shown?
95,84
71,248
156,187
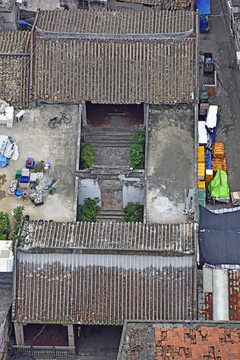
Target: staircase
109,137
110,214
111,145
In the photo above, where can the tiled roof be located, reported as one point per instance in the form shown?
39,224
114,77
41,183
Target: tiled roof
103,289
164,4
12,42
178,340
14,64
122,57
115,22
204,343
115,71
178,239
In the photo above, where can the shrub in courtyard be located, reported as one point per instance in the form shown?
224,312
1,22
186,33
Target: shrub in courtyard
89,210
4,225
133,212
136,151
18,216
87,155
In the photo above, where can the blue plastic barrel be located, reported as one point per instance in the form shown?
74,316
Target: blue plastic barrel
203,23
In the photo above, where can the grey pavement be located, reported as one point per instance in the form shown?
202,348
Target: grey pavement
220,42
57,146
170,165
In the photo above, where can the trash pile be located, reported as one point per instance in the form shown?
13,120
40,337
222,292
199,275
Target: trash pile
31,183
212,167
6,113
8,150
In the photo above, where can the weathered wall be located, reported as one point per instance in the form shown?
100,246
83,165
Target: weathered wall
133,191
88,188
8,20
115,192
170,168
4,328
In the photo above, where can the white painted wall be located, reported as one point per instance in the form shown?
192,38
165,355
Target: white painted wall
6,256
220,295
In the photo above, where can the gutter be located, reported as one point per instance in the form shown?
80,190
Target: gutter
77,161
31,60
146,119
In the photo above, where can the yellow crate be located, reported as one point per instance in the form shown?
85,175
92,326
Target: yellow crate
201,154
201,171
201,185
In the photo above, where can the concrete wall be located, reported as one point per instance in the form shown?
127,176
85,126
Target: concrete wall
88,188
9,20
4,328
133,191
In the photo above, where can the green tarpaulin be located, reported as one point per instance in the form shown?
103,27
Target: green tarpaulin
218,187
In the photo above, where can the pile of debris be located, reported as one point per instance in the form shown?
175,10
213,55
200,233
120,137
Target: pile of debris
8,150
32,177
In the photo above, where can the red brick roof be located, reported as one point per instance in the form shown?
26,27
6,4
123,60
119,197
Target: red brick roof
203,343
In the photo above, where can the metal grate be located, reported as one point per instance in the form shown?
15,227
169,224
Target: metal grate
43,352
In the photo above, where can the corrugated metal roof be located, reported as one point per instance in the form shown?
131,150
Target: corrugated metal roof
14,64
111,235
115,22
103,289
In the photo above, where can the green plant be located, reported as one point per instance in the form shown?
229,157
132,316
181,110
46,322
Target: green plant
138,137
18,213
4,225
18,216
136,151
136,156
87,155
89,210
133,212
15,238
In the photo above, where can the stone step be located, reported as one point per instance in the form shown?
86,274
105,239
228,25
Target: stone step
109,138
111,214
107,143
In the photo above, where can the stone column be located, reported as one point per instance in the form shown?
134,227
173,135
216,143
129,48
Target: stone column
71,341
19,334
84,114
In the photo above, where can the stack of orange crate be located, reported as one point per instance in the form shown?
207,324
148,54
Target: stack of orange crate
201,168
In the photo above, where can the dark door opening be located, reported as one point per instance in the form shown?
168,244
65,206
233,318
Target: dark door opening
98,342
115,116
45,335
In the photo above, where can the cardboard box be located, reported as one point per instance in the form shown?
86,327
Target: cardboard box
201,171
209,176
235,197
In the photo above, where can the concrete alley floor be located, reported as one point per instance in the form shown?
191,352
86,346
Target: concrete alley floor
57,146
170,165
220,42
98,342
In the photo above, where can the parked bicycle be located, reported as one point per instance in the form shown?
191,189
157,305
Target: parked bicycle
54,122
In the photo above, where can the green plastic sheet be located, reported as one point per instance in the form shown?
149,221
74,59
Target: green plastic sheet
218,187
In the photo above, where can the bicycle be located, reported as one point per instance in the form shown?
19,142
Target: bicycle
54,122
